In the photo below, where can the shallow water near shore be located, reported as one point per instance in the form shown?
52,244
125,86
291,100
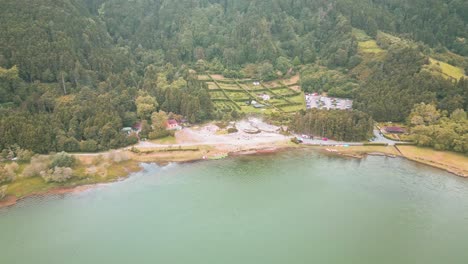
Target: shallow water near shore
290,207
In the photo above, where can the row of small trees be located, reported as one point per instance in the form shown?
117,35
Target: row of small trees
335,124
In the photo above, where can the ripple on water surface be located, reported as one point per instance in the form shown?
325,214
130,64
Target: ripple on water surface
292,207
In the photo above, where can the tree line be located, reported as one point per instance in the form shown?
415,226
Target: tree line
334,124
431,127
73,73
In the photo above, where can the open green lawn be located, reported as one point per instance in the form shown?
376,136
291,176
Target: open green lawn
165,140
298,99
366,43
292,108
252,110
26,186
360,35
369,46
446,70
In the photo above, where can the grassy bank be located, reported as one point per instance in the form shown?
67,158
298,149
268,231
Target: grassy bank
360,151
450,161
92,169
455,163
83,174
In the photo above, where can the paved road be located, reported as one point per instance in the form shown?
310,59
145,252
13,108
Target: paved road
327,142
379,138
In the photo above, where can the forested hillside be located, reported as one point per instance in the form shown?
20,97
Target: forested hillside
73,73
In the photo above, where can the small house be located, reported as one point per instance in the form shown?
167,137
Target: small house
137,127
172,124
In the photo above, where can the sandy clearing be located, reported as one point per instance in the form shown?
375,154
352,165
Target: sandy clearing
261,134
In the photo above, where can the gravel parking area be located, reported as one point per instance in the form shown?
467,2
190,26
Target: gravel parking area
324,102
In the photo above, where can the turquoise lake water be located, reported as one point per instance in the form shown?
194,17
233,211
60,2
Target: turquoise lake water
291,207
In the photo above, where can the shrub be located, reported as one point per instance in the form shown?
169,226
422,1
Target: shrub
62,159
3,190
10,171
232,130
57,174
37,164
132,139
375,144
158,134
24,155
3,175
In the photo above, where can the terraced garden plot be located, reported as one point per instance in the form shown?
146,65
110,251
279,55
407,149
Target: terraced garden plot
204,78
212,86
233,81
225,106
273,84
296,88
300,98
251,87
217,95
232,94
251,110
285,92
230,86
277,101
238,96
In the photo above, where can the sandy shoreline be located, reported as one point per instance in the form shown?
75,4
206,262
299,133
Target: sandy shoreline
263,150
11,200
210,142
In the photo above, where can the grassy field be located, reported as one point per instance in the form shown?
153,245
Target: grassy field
446,70
92,169
369,46
450,161
283,98
105,170
165,140
26,186
360,35
365,43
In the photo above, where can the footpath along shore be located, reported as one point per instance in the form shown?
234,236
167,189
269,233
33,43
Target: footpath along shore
210,142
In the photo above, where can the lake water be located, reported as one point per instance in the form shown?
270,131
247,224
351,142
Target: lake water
292,207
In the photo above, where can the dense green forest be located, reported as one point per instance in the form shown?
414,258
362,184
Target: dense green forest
431,127
73,73
336,124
